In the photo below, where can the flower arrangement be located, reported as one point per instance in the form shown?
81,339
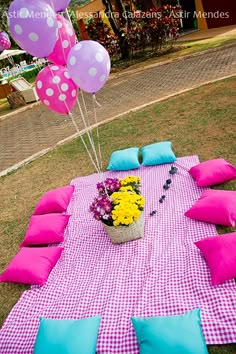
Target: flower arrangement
119,202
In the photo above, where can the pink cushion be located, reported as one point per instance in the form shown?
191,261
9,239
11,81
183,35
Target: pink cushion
215,206
31,265
212,172
45,229
220,255
55,201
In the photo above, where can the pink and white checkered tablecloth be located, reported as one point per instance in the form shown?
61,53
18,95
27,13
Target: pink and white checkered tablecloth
162,274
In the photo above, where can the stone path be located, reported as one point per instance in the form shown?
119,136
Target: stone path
29,132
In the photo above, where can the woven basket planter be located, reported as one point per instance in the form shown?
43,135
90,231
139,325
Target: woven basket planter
121,234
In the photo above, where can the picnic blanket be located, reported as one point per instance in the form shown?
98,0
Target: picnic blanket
162,274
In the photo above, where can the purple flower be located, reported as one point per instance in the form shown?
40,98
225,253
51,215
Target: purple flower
108,186
101,208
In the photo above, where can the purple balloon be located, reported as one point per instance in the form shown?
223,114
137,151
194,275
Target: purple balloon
89,65
4,34
58,5
33,26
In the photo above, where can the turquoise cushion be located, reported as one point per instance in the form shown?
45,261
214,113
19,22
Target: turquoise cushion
123,160
170,334
67,336
157,154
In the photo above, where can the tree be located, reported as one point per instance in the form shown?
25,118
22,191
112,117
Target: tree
74,22
77,3
145,5
119,24
4,5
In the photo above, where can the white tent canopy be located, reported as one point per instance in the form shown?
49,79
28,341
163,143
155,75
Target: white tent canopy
10,53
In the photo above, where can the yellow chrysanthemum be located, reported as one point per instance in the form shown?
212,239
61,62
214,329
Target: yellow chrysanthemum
127,202
127,207
129,180
127,189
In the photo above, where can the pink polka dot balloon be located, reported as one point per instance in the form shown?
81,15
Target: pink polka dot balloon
33,26
55,89
65,42
89,65
5,42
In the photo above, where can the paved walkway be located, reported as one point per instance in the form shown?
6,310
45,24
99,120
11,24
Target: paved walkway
208,33
36,129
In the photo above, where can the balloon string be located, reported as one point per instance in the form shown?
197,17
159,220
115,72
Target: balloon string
59,33
98,139
68,16
68,36
98,167
95,100
95,116
96,121
64,54
89,134
83,141
82,115
88,131
60,38
86,112
75,124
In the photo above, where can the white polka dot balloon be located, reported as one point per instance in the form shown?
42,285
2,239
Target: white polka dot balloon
5,42
66,40
89,65
33,26
55,89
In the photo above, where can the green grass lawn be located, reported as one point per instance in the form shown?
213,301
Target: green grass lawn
4,107
199,122
198,46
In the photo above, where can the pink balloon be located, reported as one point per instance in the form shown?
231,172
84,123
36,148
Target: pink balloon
33,26
5,42
65,42
55,89
89,65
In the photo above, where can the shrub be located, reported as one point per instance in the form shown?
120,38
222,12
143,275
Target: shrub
151,28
